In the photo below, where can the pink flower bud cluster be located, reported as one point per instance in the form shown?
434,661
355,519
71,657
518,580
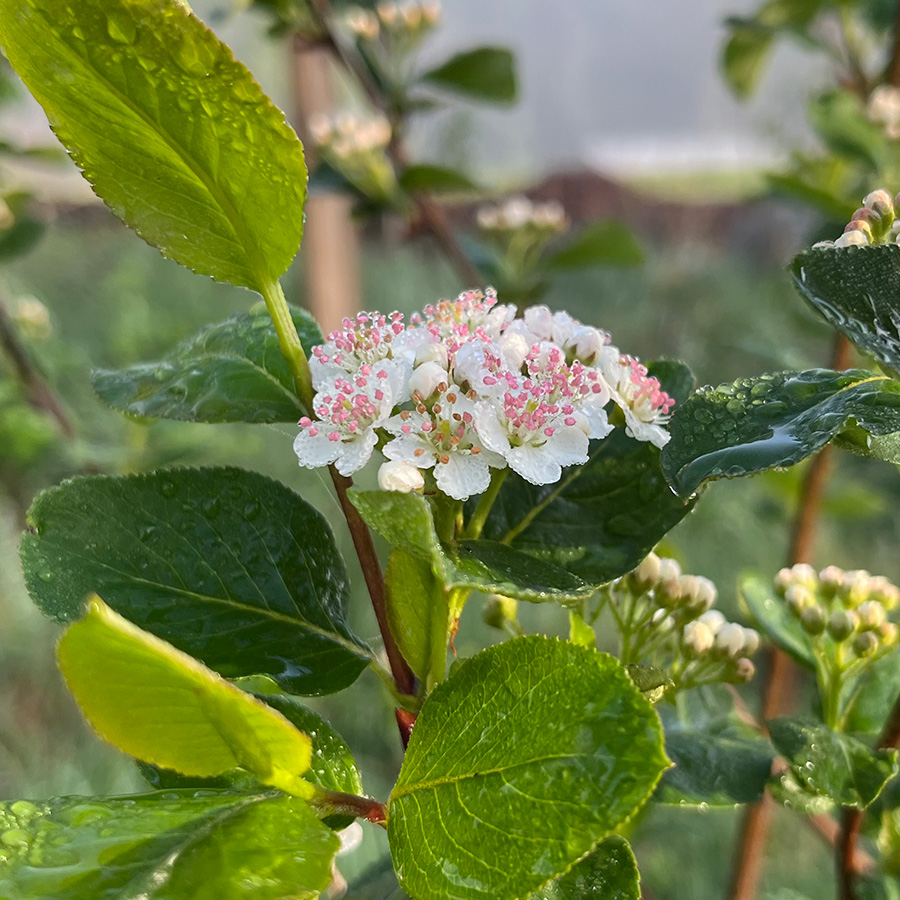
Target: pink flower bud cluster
466,387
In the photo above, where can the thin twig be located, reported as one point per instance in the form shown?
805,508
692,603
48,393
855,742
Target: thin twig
430,211
892,76
779,685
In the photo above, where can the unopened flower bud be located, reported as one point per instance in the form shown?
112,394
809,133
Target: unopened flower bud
697,638
730,639
862,226
744,670
889,633
831,579
396,475
713,620
806,575
434,353
856,588
865,644
515,349
588,343
705,595
813,620
669,570
499,610
427,379
881,204
751,641
854,238
782,581
882,591
669,593
647,573
871,614
842,624
798,597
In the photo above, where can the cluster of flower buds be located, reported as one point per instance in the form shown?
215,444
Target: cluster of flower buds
667,619
356,147
873,223
846,614
884,109
519,214
394,23
466,388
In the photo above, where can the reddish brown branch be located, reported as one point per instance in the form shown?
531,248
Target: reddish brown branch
893,71
37,391
779,686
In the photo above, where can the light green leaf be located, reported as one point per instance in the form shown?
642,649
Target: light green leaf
168,128
602,518
533,752
227,565
163,707
840,120
232,371
772,421
599,244
857,291
836,768
435,179
772,616
419,614
167,846
745,55
609,873
405,521
486,73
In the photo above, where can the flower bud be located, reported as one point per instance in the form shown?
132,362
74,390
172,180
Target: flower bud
885,593
669,593
515,348
697,638
588,343
704,595
433,353
799,598
841,624
881,204
427,379
806,575
853,238
871,615
865,644
889,633
782,581
813,620
669,570
831,579
744,670
499,610
856,588
751,641
400,476
862,226
647,573
730,639
713,620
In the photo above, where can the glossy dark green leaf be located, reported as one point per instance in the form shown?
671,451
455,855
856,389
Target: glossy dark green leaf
857,291
435,180
716,764
230,567
771,615
528,756
164,846
883,447
168,128
233,371
486,73
835,767
419,613
600,244
772,421
609,873
602,518
405,521
651,681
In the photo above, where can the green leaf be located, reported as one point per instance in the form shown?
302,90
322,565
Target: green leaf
528,756
600,244
227,565
486,73
232,371
602,518
772,421
168,128
716,764
825,764
857,291
161,706
883,447
651,681
24,234
418,610
435,180
609,873
405,521
745,56
167,846
840,120
772,616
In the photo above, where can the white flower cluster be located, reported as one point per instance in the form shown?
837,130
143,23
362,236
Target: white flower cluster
845,613
873,223
519,213
408,20
670,621
466,387
884,108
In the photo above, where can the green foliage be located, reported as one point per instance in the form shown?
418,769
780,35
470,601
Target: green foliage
600,244
504,786
233,371
485,73
170,130
610,872
166,846
435,180
163,707
772,616
836,768
772,420
249,559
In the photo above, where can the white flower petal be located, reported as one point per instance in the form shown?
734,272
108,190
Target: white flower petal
353,454
403,449
462,476
490,431
568,446
534,464
315,450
